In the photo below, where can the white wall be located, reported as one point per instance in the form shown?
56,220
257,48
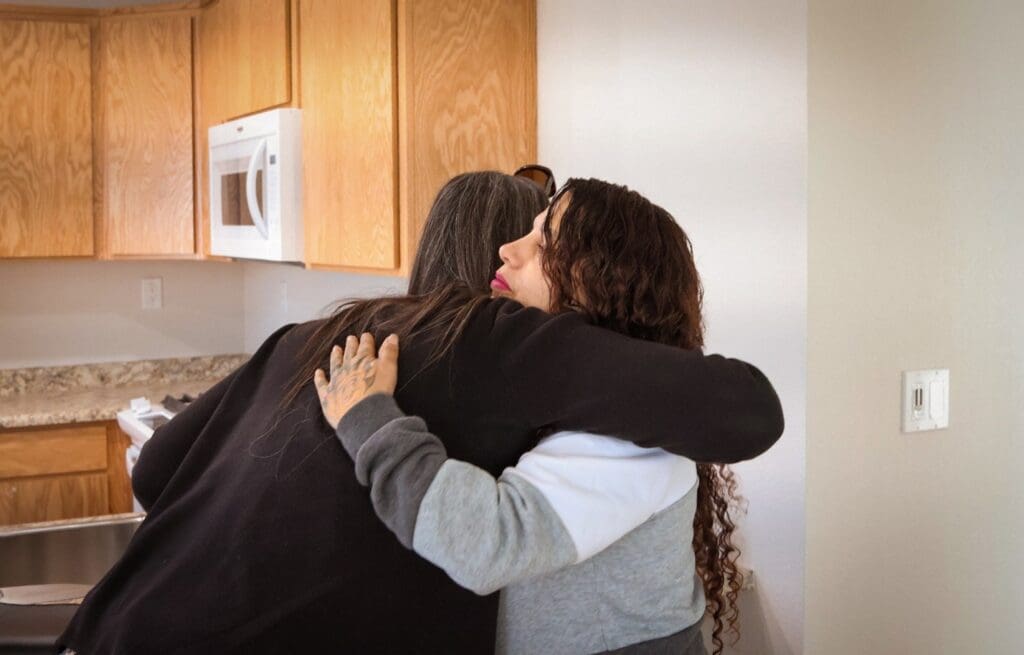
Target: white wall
55,313
701,105
915,543
276,294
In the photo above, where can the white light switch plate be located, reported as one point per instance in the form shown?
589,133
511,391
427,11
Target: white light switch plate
925,400
152,293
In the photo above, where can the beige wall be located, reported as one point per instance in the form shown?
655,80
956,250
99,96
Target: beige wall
915,543
55,313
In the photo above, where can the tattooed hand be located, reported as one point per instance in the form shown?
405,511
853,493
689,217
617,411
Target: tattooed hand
356,372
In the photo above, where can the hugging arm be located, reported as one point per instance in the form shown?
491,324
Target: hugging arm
566,374
566,500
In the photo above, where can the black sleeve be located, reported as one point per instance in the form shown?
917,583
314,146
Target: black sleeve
566,374
170,443
165,450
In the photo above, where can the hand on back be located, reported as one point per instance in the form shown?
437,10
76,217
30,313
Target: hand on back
357,371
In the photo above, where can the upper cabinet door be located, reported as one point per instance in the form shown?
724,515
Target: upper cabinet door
350,214
45,140
244,58
467,97
145,77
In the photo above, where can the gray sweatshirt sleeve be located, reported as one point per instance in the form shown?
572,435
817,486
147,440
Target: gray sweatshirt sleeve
554,509
486,533
395,456
483,533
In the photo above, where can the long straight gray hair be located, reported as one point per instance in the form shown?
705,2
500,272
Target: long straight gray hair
472,215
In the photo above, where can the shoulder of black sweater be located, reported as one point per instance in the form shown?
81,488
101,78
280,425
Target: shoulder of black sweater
507,319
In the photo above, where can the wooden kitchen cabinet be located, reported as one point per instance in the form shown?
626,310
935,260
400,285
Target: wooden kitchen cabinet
64,472
397,98
145,160
467,97
46,169
244,57
53,498
106,112
349,132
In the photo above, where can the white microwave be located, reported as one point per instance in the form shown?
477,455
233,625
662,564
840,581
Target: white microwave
256,187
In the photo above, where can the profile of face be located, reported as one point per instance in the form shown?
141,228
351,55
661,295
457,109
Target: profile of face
472,215
521,276
607,252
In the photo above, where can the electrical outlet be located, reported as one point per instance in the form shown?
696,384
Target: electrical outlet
152,293
925,400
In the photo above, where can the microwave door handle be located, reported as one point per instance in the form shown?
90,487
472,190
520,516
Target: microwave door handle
250,189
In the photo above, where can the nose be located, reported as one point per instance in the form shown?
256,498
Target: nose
505,253
516,252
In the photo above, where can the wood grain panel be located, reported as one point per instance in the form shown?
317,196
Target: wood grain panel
53,498
201,159
53,450
246,64
347,50
100,246
16,11
146,73
45,139
467,96
242,66
183,8
119,485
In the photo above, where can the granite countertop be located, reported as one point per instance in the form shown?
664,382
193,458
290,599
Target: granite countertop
96,392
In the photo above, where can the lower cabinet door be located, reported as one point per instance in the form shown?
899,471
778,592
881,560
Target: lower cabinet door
50,498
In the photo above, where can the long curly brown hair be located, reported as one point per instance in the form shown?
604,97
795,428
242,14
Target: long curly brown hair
627,264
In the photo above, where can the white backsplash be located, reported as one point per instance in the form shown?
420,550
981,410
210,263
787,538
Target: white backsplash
56,313
276,294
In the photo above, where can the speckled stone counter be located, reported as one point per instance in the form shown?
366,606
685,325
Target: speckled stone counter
96,392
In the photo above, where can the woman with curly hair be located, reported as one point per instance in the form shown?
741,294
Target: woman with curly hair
585,534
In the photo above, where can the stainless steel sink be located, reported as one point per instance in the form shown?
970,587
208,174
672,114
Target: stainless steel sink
78,551
49,556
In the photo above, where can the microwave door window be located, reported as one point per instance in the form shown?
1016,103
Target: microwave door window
234,200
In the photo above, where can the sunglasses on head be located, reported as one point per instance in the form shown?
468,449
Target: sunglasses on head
539,175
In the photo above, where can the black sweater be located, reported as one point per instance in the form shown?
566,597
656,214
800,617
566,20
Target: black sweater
259,539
